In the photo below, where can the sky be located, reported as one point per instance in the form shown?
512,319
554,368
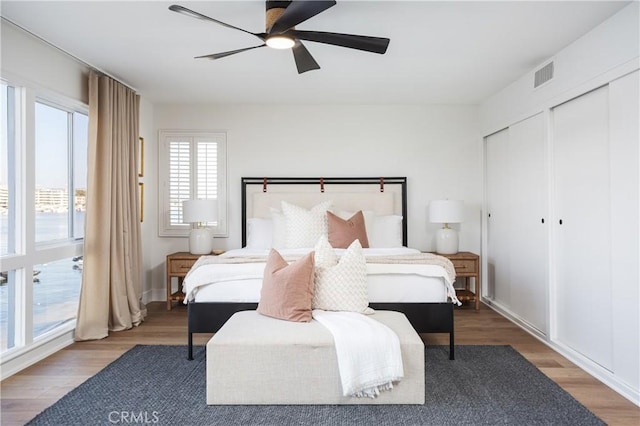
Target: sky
51,159
51,148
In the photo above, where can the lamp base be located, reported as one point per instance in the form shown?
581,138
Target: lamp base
446,241
200,241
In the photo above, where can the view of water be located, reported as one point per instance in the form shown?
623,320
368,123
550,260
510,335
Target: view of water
56,285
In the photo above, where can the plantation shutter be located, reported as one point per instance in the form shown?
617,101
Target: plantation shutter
179,179
206,171
192,167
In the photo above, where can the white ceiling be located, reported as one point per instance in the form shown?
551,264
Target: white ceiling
440,51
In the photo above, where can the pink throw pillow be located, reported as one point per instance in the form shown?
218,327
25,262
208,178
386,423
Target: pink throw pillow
343,232
287,289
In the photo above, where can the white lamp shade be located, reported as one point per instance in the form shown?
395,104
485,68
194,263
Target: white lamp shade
446,211
194,211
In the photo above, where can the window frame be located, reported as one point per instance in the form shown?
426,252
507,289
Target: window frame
28,253
165,228
70,111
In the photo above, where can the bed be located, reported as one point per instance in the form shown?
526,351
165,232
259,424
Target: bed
424,293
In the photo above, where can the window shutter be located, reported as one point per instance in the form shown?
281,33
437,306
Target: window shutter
192,166
207,171
179,179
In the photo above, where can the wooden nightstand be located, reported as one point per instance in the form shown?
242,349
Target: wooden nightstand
467,265
178,264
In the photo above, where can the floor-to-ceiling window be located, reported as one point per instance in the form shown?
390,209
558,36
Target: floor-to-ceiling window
8,194
43,161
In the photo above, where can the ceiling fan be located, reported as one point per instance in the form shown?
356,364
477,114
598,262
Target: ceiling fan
280,32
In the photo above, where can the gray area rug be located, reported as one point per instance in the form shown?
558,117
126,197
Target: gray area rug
491,385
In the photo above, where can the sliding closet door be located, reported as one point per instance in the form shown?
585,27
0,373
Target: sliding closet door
528,212
624,151
498,220
517,235
582,225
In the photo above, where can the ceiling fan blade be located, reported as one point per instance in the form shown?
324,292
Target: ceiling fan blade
183,10
228,53
297,12
366,43
304,60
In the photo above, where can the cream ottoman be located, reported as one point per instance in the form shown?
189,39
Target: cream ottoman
254,359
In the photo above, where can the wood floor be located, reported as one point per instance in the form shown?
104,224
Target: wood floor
29,392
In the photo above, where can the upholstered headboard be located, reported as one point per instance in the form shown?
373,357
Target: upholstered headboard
382,195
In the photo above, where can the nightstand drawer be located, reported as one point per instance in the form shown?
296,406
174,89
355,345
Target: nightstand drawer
180,266
465,266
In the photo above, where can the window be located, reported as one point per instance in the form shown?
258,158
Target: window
192,166
56,292
7,310
7,171
43,158
8,234
61,170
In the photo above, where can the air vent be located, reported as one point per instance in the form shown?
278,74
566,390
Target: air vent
543,75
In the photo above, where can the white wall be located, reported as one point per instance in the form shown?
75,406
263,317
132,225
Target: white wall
585,62
608,52
30,61
149,180
436,147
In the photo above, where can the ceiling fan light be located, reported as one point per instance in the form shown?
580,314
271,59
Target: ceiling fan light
280,42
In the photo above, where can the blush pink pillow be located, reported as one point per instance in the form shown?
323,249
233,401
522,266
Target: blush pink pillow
287,289
343,232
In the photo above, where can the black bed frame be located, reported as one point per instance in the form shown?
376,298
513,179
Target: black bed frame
424,317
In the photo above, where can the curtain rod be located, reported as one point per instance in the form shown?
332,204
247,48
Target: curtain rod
85,63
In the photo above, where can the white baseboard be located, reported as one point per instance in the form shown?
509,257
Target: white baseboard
158,295
516,319
597,371
600,373
13,363
147,296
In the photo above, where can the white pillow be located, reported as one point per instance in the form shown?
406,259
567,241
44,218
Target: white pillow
340,285
325,255
279,229
386,233
259,233
304,227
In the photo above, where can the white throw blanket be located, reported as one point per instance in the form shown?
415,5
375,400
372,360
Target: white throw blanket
369,357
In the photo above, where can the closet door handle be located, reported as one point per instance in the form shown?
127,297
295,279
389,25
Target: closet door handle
542,220
560,221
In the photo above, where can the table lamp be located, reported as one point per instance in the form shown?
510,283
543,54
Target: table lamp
446,212
200,212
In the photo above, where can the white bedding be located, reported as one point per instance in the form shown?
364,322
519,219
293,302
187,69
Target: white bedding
387,283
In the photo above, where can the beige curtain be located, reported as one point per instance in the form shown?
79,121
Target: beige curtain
110,299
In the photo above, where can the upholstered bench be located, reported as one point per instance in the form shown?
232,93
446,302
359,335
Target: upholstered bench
254,359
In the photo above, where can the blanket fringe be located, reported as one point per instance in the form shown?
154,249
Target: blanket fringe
374,391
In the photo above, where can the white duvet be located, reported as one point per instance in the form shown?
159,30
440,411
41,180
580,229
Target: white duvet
242,282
